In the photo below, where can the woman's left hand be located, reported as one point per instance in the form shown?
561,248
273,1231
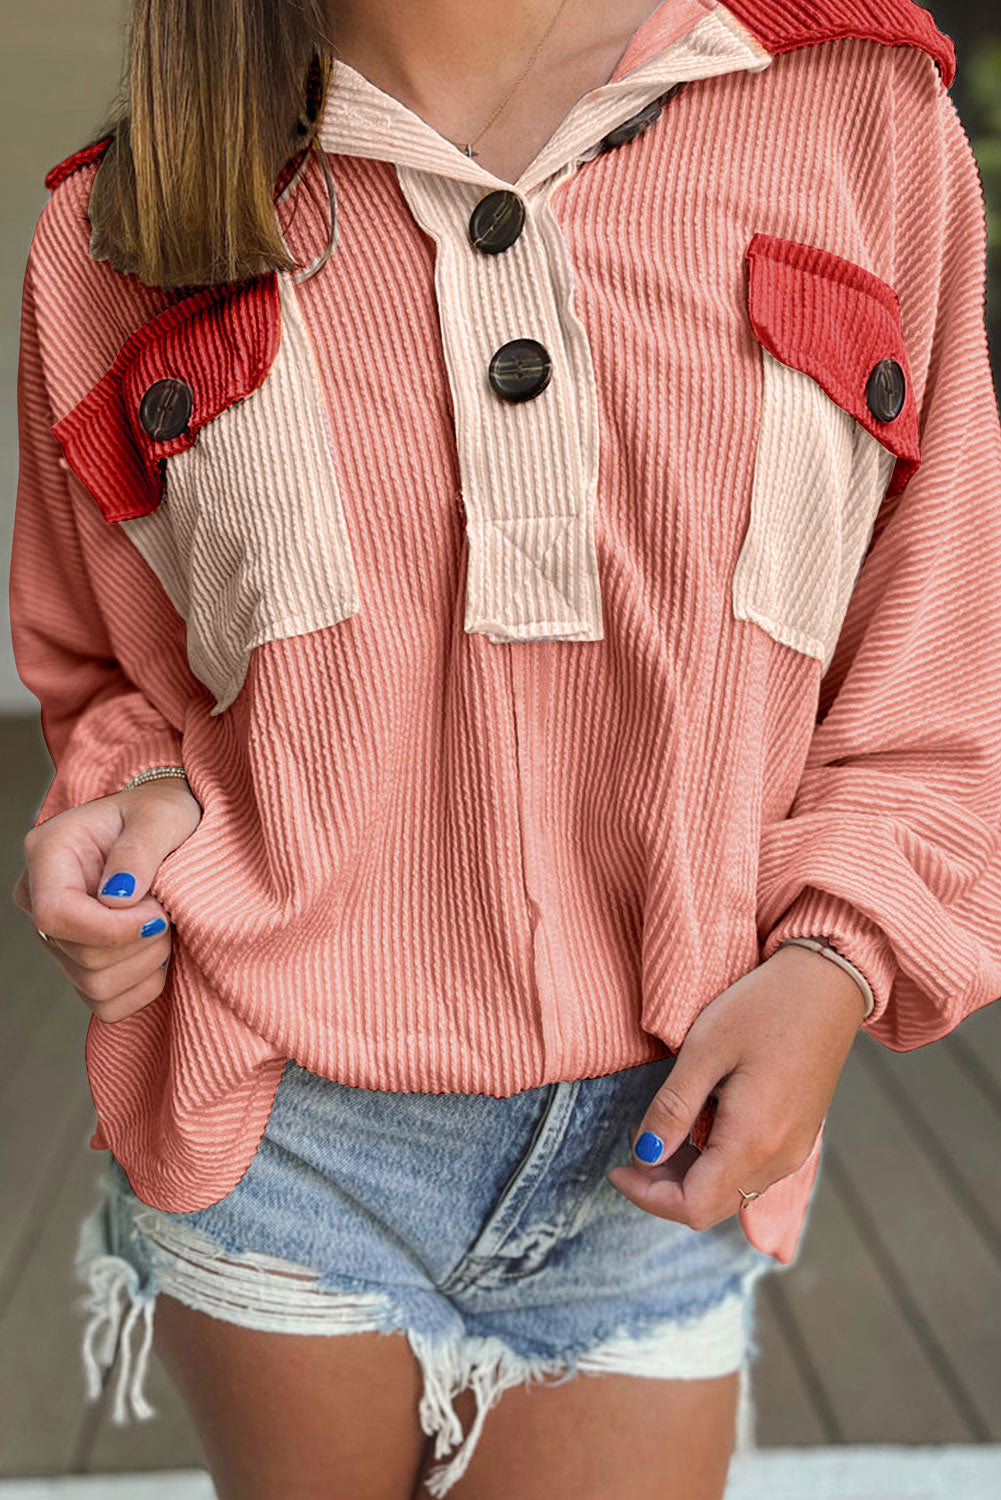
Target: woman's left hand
771,1048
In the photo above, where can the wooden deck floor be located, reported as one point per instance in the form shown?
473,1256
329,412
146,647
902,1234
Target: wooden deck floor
887,1330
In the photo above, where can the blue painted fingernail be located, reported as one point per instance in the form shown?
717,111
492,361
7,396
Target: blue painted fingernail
122,884
649,1146
165,963
152,927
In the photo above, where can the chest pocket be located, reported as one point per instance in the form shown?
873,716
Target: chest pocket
208,443
837,433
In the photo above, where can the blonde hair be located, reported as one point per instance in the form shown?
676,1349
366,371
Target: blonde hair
216,98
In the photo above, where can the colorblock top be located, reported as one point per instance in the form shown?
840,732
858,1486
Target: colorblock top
567,592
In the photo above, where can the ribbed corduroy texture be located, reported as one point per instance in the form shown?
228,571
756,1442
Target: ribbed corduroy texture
103,436
431,860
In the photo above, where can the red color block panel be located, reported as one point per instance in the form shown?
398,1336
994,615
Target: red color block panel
781,27
835,321
221,340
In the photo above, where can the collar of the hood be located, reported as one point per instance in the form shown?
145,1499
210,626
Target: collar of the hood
360,119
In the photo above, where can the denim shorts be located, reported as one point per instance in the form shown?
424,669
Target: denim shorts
483,1228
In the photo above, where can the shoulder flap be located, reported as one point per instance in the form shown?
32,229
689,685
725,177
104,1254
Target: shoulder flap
63,169
897,23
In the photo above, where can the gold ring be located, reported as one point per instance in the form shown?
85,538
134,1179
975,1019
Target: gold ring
747,1196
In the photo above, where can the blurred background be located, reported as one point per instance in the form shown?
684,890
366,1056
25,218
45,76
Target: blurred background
880,1365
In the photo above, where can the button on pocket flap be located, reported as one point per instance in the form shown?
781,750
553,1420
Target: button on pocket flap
840,324
179,371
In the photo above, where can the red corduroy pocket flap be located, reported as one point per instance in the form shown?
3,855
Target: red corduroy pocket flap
840,324
220,342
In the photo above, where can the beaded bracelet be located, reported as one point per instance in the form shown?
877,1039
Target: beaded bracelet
153,773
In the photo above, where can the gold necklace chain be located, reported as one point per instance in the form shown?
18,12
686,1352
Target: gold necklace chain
468,148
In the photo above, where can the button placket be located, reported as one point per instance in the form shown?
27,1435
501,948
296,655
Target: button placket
525,405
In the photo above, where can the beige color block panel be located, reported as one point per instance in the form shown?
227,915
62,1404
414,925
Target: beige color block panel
250,540
819,480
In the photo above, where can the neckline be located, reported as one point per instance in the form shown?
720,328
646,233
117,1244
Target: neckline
361,119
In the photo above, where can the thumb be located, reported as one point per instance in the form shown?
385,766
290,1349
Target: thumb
150,831
684,1104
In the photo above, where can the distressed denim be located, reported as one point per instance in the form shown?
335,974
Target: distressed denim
484,1229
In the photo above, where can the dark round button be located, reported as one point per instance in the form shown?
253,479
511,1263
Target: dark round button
636,124
496,221
885,390
166,409
520,369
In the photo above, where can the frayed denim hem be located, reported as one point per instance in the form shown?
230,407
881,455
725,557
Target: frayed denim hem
115,1302
257,1291
118,1299
715,1343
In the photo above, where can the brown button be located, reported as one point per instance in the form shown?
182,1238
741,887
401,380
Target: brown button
520,369
885,390
166,409
496,221
637,123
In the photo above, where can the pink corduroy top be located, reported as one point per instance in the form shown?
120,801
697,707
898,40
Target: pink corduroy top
531,703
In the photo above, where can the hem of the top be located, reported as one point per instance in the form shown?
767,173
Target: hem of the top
178,1182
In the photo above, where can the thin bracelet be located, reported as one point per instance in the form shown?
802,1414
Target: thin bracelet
153,774
821,945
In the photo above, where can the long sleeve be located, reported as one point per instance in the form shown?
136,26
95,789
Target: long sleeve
100,729
892,847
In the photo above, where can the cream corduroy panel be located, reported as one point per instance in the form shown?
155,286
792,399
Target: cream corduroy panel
250,541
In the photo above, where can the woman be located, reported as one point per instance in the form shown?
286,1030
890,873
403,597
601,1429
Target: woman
503,550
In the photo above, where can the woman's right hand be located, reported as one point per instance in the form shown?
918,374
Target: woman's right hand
94,937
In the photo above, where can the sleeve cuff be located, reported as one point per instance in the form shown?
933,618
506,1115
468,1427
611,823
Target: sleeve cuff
822,946
94,769
861,946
